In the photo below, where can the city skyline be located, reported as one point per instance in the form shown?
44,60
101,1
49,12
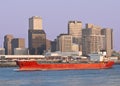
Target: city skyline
35,24
87,40
56,14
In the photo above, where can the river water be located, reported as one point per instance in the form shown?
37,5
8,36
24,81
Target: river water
103,77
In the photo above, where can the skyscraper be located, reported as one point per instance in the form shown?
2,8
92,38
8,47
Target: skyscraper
36,36
92,40
108,32
75,30
35,23
7,44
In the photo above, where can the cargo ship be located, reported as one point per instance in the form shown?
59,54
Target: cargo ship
46,64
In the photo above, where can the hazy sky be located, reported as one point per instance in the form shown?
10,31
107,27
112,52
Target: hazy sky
14,16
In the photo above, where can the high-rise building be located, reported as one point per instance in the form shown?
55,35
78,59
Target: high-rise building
75,30
35,23
36,36
108,40
92,40
18,43
64,43
7,44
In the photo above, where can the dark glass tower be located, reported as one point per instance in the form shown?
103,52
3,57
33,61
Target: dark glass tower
37,41
36,36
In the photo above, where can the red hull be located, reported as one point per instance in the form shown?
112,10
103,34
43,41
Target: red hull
33,65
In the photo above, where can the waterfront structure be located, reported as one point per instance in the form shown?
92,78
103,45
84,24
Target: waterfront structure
64,43
7,44
59,53
108,32
92,40
75,30
20,57
36,36
20,51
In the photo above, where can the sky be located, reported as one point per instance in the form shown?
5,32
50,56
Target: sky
14,15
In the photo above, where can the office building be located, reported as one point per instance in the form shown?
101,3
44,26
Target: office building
108,32
64,43
36,36
7,44
92,40
75,30
18,43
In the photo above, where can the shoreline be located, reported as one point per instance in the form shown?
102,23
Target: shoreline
8,64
